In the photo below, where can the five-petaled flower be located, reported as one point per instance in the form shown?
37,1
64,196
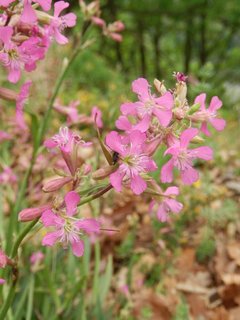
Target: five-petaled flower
134,162
182,158
68,229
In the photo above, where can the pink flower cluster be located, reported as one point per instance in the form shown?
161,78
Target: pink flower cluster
26,33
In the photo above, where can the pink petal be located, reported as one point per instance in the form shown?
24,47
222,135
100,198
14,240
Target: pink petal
6,34
14,74
49,143
59,7
201,100
203,152
70,19
164,116
72,199
141,88
162,214
50,219
78,248
189,175
116,180
28,14
187,135
136,138
60,38
128,108
172,191
45,4
51,238
123,123
215,104
174,205
114,142
2,281
88,225
204,129
138,185
167,172
143,125
166,101
218,124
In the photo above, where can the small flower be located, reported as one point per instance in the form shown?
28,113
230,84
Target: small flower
36,257
68,230
208,115
4,136
167,203
59,23
20,101
134,163
182,158
180,76
7,176
149,105
70,111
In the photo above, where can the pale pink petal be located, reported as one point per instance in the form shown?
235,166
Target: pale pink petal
123,123
28,14
203,152
167,172
60,38
141,88
59,7
204,129
2,281
72,199
70,19
166,101
189,175
136,138
78,248
113,141
218,124
50,143
138,185
187,135
51,238
45,4
50,219
116,180
128,108
172,191
201,100
14,74
6,34
174,205
164,116
215,104
162,214
88,225
143,125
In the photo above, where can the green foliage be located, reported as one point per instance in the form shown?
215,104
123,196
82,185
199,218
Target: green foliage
207,246
182,311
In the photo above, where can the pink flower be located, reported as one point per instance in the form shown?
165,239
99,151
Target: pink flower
36,257
4,136
167,204
5,3
182,158
15,58
68,229
2,281
134,163
180,77
149,105
98,22
58,24
208,115
3,259
20,101
70,111
97,117
7,176
28,15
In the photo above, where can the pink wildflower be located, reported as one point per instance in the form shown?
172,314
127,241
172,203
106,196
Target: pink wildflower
97,117
28,14
68,229
5,3
4,136
2,281
58,24
182,158
133,161
70,111
36,257
149,105
98,22
3,259
7,176
167,204
30,214
208,115
20,101
180,77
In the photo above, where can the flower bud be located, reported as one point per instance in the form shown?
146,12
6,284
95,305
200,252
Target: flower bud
181,91
8,94
30,214
160,87
54,184
104,172
152,146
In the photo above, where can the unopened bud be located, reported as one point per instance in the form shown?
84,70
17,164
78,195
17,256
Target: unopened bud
160,87
30,214
152,146
55,184
181,91
8,94
104,172
197,140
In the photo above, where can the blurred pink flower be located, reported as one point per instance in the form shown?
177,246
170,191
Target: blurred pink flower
97,116
7,176
20,101
4,136
36,257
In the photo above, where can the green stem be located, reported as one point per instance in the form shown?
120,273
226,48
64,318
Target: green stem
11,292
96,195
